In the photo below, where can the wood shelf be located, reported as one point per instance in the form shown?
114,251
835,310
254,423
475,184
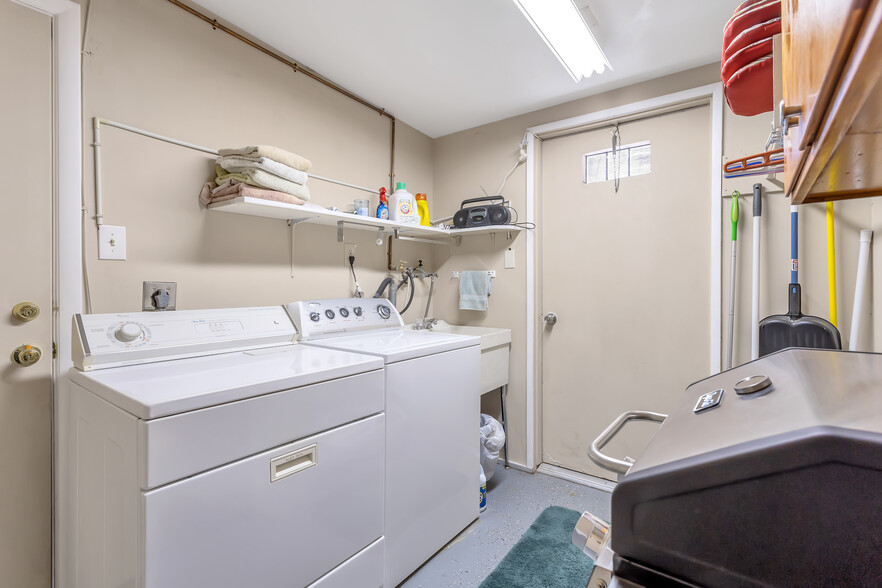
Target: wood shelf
314,214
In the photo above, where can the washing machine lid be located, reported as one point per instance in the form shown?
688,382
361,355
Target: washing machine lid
160,389
398,345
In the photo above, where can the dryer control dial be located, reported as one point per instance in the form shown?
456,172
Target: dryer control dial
128,332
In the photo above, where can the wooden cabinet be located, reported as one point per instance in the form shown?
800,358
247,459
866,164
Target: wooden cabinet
832,62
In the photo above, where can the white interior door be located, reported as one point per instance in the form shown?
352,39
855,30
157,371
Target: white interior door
627,276
25,275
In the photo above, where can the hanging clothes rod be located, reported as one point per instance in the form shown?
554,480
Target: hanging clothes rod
96,144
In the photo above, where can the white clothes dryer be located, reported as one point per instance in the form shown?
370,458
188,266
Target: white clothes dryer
205,448
432,384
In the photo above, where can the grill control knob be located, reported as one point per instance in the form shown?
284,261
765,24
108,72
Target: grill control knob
357,311
384,311
128,332
344,312
314,316
329,313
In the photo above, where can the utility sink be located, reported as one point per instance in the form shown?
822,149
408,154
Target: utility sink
495,346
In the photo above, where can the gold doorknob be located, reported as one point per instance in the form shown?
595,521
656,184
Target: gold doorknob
25,355
26,311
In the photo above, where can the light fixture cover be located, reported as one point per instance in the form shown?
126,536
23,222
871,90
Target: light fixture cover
561,26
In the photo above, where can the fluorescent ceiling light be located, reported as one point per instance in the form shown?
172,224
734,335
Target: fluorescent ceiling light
561,26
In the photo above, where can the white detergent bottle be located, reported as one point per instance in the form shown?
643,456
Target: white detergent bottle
402,206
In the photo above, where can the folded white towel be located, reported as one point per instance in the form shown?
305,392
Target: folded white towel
274,153
238,164
262,179
474,290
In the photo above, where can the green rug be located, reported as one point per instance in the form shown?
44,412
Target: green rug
545,556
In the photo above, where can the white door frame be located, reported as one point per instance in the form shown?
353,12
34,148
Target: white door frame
67,271
711,94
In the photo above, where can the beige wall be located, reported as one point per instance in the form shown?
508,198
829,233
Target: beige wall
151,65
481,156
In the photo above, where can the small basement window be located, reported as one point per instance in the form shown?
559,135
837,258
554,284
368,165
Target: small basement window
599,166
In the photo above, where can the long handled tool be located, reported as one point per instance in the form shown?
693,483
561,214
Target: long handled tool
793,329
831,264
734,216
754,301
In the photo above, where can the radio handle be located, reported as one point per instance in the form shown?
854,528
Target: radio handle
482,199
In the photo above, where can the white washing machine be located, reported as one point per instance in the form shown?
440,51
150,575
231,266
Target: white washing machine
205,448
432,383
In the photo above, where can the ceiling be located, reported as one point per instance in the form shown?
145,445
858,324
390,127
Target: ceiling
442,66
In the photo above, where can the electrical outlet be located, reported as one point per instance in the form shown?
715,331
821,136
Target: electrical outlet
111,242
159,288
348,249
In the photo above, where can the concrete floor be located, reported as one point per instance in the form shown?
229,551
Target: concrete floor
514,500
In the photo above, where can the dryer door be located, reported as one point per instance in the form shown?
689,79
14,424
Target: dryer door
280,518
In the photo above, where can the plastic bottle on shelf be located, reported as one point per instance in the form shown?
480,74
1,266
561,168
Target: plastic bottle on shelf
383,207
423,209
482,502
402,206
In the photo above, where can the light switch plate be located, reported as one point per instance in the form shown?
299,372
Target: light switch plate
111,242
151,287
509,259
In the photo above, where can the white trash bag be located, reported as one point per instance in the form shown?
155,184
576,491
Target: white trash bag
492,440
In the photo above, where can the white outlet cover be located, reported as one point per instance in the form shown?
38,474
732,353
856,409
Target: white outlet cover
111,242
509,259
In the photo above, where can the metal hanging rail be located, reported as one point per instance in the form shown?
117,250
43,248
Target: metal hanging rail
96,144
299,68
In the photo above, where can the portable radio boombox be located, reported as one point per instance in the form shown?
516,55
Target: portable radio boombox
481,216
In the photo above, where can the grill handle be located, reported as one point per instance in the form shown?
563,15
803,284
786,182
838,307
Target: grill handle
610,463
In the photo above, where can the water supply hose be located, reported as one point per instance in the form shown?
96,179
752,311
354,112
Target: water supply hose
408,276
831,264
734,215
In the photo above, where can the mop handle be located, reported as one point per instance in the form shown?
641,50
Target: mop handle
734,214
794,254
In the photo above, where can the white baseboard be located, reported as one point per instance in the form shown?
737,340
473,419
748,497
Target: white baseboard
576,477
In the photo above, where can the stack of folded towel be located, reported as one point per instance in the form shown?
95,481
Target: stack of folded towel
259,171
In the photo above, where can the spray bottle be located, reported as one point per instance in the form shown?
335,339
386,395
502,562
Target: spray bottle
383,207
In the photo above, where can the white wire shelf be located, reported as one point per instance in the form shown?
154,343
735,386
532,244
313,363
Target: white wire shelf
313,214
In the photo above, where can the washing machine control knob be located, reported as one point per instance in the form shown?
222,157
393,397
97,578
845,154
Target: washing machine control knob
357,311
329,313
383,311
128,332
314,316
344,312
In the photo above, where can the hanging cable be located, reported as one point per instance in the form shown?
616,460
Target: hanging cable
359,293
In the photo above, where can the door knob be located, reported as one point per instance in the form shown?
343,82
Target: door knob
550,319
26,311
26,355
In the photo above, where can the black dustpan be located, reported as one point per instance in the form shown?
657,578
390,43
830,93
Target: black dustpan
794,329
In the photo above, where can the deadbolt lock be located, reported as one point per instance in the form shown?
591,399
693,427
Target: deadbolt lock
26,311
25,355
